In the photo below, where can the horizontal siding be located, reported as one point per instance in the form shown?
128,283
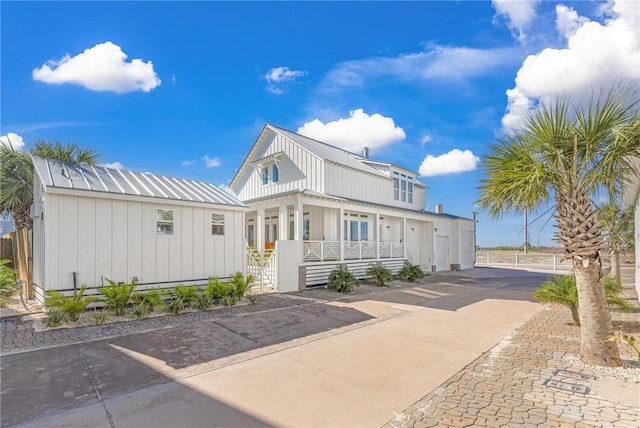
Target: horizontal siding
318,274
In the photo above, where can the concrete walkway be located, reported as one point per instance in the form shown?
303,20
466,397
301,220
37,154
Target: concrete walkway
306,359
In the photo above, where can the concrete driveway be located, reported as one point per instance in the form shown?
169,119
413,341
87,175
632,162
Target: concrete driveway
355,361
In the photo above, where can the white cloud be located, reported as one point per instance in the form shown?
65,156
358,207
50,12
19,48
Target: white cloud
357,131
519,15
425,139
568,21
211,162
114,165
279,75
100,68
16,141
435,63
187,162
449,163
596,55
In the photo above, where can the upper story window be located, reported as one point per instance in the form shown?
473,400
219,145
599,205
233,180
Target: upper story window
217,224
265,176
275,173
164,222
402,187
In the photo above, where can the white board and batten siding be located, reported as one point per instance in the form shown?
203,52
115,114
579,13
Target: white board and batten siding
298,169
113,234
117,239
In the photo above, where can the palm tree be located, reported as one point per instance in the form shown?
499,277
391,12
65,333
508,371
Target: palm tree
617,225
564,154
16,174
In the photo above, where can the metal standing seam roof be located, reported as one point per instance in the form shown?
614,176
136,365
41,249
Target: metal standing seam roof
123,182
329,153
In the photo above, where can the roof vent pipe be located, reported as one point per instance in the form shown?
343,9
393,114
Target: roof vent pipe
438,208
365,152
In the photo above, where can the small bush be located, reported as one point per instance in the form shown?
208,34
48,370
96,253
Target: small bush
188,293
204,302
53,318
140,311
72,306
152,299
175,305
412,273
380,274
8,284
342,280
116,296
217,289
562,290
99,317
240,284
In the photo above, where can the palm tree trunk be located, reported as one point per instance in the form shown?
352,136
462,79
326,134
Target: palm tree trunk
595,319
615,265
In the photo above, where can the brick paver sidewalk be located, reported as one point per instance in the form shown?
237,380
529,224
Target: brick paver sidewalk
532,378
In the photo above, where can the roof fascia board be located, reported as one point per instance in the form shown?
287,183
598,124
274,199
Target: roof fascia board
141,198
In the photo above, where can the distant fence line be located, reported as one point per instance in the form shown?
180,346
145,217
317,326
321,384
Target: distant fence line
514,260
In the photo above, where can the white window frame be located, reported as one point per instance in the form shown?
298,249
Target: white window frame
164,222
217,223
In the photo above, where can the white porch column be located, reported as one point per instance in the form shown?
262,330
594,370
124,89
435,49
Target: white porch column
341,231
297,218
260,229
404,236
283,228
376,231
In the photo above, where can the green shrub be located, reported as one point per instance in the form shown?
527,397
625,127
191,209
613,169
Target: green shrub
53,318
175,305
342,280
240,284
140,311
411,273
72,306
188,293
99,317
216,289
152,299
380,274
116,297
562,290
8,284
204,302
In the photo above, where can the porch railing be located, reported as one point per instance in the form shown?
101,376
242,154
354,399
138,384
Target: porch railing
330,250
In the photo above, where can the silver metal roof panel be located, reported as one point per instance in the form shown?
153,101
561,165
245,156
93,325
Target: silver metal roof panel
110,180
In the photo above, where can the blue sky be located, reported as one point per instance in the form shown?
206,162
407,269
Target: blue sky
183,89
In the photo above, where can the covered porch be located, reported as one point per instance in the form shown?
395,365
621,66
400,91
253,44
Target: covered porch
320,232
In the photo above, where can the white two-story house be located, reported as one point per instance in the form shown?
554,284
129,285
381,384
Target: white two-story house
319,206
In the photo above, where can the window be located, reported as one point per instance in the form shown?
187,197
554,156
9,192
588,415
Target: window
251,240
265,176
364,231
356,230
164,222
402,188
305,229
396,189
217,224
275,173
275,232
266,233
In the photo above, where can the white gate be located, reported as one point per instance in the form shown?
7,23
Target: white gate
262,266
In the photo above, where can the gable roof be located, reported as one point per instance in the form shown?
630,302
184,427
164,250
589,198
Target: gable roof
101,179
321,150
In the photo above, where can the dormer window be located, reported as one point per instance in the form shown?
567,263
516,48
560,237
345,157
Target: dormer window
402,187
265,176
275,173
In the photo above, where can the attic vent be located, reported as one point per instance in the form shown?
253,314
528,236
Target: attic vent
438,208
64,173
